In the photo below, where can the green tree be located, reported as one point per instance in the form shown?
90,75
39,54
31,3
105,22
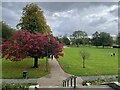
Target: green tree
87,41
96,39
59,39
79,37
33,20
66,41
79,34
78,42
106,39
6,30
72,40
102,39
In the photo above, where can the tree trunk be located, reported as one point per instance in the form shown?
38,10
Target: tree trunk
83,63
35,62
103,46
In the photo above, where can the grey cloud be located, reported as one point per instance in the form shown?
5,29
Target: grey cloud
10,16
66,17
101,20
65,6
114,12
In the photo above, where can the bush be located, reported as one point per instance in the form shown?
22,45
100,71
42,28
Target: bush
23,86
117,46
99,81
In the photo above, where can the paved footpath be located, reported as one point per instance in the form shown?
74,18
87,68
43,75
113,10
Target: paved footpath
18,80
56,76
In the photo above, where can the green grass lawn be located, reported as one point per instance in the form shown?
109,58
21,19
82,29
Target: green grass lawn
15,69
100,61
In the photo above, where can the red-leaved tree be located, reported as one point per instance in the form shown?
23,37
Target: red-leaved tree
23,44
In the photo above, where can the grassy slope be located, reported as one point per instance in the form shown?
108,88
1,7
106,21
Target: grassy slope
15,69
100,61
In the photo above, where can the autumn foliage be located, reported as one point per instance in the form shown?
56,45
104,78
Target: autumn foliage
23,44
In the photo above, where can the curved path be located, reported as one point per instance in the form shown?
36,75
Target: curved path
56,76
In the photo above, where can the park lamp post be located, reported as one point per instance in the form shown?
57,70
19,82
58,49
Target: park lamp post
46,46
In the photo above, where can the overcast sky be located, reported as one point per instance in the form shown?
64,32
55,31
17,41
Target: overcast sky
67,17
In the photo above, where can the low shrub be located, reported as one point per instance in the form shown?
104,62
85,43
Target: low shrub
99,81
18,86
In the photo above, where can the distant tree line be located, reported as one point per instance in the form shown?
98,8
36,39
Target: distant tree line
81,38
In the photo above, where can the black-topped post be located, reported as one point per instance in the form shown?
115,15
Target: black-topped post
75,81
71,81
64,83
67,82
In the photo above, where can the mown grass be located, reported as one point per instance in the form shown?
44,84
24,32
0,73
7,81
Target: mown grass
100,61
14,69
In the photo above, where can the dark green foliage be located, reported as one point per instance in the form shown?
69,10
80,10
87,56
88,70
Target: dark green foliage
79,37
87,41
102,39
6,30
66,41
99,81
79,34
78,42
106,39
16,86
59,40
63,40
96,39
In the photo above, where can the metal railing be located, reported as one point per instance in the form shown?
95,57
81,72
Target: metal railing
70,82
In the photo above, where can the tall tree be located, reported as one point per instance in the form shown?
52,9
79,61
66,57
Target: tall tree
79,37
6,30
79,34
33,20
65,40
106,39
23,44
96,39
102,39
